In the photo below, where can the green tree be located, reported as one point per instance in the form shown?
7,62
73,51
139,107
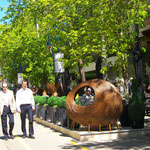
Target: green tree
86,29
23,44
102,28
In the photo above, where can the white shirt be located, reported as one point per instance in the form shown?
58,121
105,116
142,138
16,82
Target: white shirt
24,97
5,97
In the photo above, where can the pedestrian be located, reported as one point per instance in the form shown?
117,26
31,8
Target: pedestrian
121,87
25,105
34,91
87,99
130,86
73,83
7,108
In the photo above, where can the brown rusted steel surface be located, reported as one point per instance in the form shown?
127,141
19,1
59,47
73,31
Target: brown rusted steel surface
104,111
51,90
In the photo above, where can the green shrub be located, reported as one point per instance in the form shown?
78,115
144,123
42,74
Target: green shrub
52,101
78,101
61,101
136,103
43,100
40,100
36,99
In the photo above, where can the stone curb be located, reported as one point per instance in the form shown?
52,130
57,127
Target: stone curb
58,128
95,135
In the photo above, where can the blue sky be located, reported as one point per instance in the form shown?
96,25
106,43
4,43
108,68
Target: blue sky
3,3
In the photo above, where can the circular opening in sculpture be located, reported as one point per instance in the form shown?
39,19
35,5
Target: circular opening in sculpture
85,96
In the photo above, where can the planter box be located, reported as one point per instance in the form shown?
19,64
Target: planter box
53,114
40,111
48,116
37,111
137,124
56,115
62,117
43,112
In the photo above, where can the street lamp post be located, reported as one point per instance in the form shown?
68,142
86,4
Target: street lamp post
49,46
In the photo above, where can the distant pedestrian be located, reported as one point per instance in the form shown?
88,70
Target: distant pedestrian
7,108
121,87
25,105
73,82
34,91
87,99
130,86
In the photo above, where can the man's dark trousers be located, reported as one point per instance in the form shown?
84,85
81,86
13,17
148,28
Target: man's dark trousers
7,111
26,109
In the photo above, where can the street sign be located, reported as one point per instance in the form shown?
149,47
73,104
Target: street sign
58,65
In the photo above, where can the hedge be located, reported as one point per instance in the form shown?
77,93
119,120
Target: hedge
53,101
40,100
78,101
36,98
61,102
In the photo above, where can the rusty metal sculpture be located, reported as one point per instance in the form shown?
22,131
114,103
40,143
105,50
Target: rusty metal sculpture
104,111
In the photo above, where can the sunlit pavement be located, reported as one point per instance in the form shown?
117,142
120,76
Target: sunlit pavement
46,138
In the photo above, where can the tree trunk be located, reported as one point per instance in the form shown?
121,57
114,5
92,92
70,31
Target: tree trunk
99,67
67,81
125,77
81,70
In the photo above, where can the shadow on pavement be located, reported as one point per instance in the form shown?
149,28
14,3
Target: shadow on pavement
4,138
130,143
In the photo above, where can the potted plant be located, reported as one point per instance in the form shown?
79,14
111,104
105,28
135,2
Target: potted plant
43,103
136,107
40,102
37,106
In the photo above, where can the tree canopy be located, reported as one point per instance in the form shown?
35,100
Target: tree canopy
81,29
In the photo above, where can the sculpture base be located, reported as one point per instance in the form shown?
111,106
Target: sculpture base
84,135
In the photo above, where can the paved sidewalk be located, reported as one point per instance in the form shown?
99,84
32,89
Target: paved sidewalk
47,138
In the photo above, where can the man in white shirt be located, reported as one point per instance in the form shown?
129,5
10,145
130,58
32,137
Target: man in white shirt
25,105
7,108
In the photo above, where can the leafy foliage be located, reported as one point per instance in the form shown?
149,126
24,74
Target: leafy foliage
52,101
43,100
78,101
40,100
81,29
36,98
61,102
136,104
